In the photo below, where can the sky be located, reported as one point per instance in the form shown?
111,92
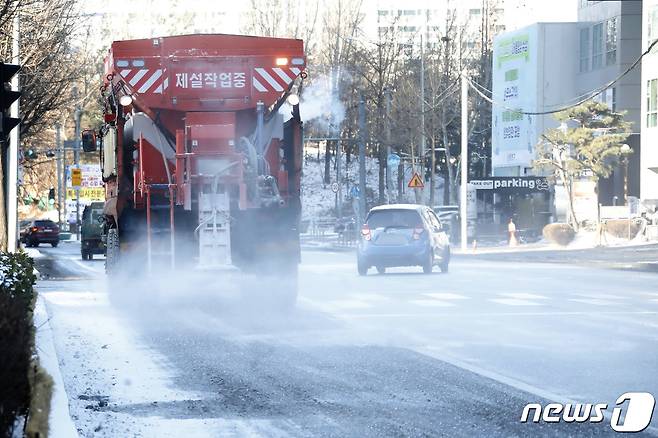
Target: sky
225,15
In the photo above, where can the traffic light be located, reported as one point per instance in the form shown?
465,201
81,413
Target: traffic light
7,98
51,196
31,154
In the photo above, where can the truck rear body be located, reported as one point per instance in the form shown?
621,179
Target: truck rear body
201,166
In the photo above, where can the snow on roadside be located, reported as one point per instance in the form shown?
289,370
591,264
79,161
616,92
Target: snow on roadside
33,253
114,382
319,200
60,424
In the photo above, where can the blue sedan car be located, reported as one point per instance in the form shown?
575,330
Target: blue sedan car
402,235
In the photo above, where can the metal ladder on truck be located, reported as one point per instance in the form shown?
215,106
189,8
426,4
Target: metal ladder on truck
214,230
165,190
152,231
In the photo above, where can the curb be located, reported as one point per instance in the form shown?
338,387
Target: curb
60,424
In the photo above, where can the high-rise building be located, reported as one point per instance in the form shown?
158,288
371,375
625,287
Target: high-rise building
609,42
649,108
563,63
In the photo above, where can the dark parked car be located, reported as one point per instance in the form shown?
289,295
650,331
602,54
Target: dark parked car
402,235
40,231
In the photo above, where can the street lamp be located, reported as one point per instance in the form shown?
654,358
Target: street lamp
625,152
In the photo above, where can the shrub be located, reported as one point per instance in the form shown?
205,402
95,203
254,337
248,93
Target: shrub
17,297
559,233
619,228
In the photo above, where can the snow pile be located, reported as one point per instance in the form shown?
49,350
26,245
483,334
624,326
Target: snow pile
15,269
59,420
8,276
33,253
318,199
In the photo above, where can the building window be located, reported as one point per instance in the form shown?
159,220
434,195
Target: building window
597,46
584,49
652,103
611,42
608,97
652,28
474,12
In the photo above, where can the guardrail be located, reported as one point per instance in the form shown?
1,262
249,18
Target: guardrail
330,231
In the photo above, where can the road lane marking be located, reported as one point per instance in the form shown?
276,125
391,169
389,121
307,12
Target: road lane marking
433,303
523,296
445,296
595,301
601,296
514,302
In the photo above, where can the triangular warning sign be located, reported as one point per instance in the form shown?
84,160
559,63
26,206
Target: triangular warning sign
416,182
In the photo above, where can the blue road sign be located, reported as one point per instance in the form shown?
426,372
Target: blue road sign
355,192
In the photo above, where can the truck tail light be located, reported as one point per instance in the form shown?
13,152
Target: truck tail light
365,232
418,231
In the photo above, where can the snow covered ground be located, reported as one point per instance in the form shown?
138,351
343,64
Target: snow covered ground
319,201
110,369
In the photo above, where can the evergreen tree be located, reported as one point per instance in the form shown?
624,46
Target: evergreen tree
589,148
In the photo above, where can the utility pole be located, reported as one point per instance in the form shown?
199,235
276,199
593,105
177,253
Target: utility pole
64,186
464,162
76,160
362,159
58,148
339,193
12,156
421,152
389,179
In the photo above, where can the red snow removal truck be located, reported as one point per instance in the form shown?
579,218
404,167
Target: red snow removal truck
201,153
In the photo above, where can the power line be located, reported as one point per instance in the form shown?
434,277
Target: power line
587,96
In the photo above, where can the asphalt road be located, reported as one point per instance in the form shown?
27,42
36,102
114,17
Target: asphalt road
401,354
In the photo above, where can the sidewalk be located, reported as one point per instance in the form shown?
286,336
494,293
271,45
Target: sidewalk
60,424
583,241
634,256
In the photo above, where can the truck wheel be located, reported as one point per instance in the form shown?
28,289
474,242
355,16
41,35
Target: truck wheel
429,264
112,249
84,255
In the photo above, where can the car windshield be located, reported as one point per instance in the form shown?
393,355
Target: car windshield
394,219
95,214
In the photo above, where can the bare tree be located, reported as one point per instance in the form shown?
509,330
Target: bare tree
49,65
285,18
